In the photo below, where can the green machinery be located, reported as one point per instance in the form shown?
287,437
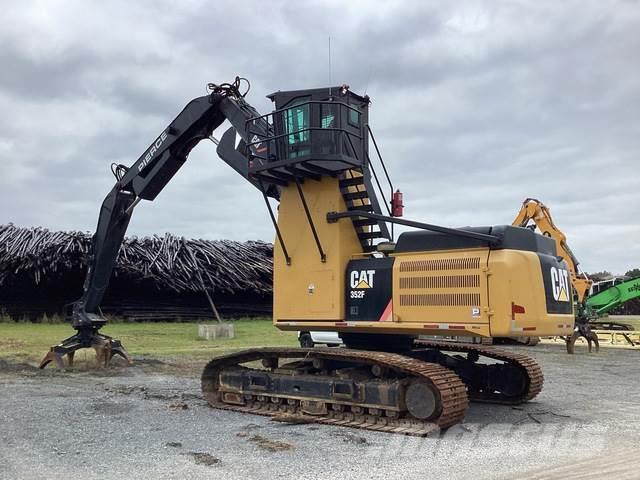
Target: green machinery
609,298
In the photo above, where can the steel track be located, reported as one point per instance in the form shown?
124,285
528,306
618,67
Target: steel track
532,370
451,390
453,393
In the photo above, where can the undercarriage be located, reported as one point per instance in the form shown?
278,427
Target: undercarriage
421,390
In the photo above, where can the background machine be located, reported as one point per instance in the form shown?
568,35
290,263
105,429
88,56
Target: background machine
606,296
337,267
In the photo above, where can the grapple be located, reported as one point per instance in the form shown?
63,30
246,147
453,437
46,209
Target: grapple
87,337
582,329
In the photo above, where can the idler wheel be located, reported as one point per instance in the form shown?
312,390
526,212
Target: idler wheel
422,400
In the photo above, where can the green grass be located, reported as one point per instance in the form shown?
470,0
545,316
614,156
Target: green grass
30,342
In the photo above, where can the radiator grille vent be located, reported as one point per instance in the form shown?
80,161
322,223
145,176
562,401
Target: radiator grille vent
451,281
441,300
442,264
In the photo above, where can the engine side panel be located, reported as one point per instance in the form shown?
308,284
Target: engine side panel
442,290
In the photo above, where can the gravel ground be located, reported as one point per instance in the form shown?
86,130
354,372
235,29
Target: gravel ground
140,423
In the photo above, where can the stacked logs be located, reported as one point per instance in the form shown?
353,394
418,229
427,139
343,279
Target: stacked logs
170,263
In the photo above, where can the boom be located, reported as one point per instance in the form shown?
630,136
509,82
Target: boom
146,178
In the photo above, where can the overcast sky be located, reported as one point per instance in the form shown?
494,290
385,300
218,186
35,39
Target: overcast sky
476,105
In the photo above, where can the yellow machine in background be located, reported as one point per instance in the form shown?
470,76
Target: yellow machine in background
534,210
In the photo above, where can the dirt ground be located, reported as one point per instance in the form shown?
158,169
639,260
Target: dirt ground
149,421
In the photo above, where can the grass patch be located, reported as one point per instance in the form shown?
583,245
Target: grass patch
30,341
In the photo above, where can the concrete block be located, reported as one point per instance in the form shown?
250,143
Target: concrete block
216,330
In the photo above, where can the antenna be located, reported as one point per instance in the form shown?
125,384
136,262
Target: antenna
366,85
329,65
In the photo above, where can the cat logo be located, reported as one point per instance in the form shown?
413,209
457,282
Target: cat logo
560,284
362,278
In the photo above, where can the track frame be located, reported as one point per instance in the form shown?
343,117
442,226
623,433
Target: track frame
391,372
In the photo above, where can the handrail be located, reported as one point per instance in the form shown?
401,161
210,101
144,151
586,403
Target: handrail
307,129
384,167
375,176
333,217
308,102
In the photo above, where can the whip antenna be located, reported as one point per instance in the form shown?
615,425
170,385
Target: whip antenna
329,65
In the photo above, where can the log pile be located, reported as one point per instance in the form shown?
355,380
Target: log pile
172,265
171,262
37,252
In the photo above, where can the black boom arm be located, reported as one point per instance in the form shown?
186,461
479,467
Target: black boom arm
146,178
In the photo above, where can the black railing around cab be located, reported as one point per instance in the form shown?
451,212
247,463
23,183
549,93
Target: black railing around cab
315,135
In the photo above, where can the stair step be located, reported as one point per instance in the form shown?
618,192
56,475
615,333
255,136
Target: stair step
364,208
369,248
355,195
349,182
364,223
369,235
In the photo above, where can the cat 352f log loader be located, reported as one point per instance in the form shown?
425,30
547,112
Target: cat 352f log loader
312,155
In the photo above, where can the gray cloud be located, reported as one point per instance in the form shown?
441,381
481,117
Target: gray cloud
476,105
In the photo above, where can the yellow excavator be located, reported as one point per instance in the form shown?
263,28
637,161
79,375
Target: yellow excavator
339,267
533,210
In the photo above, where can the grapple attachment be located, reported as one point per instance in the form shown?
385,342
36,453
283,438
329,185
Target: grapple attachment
87,337
582,329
